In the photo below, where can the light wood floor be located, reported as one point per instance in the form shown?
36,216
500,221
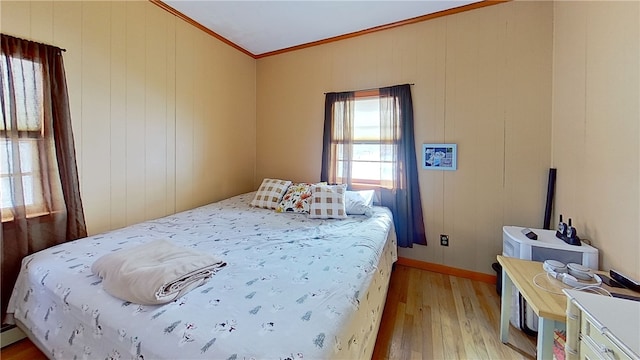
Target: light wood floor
426,316
434,316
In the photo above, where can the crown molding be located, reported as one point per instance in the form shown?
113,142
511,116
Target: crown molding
414,20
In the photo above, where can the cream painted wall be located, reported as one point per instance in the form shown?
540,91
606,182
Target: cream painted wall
596,125
163,114
482,80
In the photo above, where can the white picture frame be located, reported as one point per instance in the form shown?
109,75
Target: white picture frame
440,156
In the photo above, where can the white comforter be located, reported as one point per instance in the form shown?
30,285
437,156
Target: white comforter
293,287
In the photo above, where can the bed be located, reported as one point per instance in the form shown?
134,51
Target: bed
293,287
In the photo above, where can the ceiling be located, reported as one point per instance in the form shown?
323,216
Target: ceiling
262,27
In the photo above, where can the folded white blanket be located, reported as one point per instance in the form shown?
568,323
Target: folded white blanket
154,273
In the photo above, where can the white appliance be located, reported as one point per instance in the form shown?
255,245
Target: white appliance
546,247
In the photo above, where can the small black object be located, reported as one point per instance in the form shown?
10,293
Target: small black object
623,296
530,234
523,317
562,229
625,280
551,188
498,269
572,235
567,233
609,281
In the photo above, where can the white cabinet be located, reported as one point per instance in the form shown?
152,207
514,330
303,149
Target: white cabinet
601,327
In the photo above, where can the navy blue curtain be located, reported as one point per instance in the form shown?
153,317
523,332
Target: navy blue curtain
402,197
396,108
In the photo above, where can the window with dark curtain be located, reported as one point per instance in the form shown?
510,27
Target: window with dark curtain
369,144
40,202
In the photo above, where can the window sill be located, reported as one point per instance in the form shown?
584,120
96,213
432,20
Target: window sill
364,185
35,217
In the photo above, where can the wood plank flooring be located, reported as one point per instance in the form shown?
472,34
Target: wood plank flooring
434,316
427,316
23,349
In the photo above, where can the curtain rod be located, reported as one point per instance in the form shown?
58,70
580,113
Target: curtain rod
41,43
371,88
59,48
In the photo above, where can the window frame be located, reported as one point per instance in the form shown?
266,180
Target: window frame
39,207
361,183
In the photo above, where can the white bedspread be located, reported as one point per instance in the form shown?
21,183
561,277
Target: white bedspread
293,288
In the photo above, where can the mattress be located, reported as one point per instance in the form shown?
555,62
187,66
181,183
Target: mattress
293,288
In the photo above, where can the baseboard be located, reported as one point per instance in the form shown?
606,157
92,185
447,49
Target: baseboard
11,335
442,269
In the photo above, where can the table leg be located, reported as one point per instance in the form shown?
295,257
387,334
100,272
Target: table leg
505,307
545,338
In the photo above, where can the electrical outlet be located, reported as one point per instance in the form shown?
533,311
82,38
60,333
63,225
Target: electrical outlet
444,240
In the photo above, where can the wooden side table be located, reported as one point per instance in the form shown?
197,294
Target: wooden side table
549,307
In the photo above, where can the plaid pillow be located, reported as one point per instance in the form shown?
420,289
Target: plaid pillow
270,193
328,202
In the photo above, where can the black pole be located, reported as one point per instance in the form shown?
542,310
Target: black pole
551,187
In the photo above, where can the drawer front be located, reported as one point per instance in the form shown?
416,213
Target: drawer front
587,351
601,346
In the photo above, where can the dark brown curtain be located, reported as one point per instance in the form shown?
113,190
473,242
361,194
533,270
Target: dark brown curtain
39,189
401,193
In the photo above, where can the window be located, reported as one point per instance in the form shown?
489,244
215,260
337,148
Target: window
369,152
368,142
20,169
40,202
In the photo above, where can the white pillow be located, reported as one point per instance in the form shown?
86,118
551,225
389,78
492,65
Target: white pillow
328,202
359,202
270,193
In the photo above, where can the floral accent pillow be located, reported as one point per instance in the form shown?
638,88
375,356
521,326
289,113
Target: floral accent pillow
296,199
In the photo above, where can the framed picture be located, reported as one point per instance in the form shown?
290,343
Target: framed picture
439,156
